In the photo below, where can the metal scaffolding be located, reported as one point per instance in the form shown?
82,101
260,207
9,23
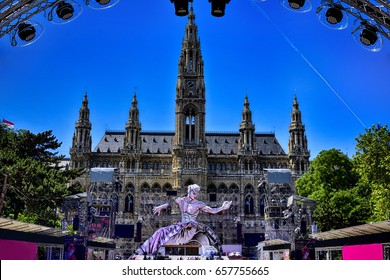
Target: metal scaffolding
279,187
14,12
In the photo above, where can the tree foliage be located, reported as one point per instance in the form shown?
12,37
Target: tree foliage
351,191
333,183
35,184
372,163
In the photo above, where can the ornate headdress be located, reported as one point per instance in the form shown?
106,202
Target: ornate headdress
194,187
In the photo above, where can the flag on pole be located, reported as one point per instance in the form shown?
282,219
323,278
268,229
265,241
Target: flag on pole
8,123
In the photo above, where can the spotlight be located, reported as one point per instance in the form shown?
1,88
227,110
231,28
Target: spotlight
297,5
181,7
103,2
26,33
64,12
100,4
368,37
218,7
332,16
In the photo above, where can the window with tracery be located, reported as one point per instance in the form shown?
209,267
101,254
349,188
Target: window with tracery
249,206
129,204
190,126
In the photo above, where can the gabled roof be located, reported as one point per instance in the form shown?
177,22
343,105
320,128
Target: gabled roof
354,231
217,143
16,230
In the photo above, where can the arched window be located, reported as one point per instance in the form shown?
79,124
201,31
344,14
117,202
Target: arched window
156,188
188,182
234,189
222,188
190,125
261,207
249,207
249,189
129,204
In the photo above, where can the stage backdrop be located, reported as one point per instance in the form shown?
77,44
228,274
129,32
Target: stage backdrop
18,250
363,252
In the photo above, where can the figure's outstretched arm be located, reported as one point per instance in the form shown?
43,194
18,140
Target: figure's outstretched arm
157,210
208,209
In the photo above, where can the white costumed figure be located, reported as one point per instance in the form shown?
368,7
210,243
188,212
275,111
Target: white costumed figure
186,230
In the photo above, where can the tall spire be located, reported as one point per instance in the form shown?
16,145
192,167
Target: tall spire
190,136
298,151
133,127
191,16
82,140
296,117
246,113
190,90
247,130
191,61
134,113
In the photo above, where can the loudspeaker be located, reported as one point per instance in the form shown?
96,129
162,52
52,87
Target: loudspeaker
171,193
124,231
303,227
253,239
76,223
138,236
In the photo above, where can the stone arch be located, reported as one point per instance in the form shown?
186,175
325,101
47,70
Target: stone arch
188,182
166,187
233,188
130,188
249,189
222,188
156,188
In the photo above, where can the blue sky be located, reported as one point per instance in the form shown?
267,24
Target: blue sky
257,49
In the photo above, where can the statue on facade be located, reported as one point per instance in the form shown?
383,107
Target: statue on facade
188,229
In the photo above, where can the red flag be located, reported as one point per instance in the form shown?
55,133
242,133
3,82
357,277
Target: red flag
8,123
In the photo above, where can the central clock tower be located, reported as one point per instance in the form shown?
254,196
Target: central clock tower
189,147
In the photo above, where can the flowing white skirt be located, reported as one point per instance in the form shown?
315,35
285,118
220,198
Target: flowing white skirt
179,234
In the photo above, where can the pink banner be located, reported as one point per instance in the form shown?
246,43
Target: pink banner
363,252
18,250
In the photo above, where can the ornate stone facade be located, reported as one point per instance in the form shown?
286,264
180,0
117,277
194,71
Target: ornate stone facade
228,166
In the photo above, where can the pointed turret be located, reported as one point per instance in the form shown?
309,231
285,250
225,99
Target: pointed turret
191,62
133,127
298,151
82,140
246,141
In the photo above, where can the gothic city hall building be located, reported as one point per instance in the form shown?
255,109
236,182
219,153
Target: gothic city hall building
152,168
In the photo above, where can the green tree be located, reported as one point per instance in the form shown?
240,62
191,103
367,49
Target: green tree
34,185
372,163
333,183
